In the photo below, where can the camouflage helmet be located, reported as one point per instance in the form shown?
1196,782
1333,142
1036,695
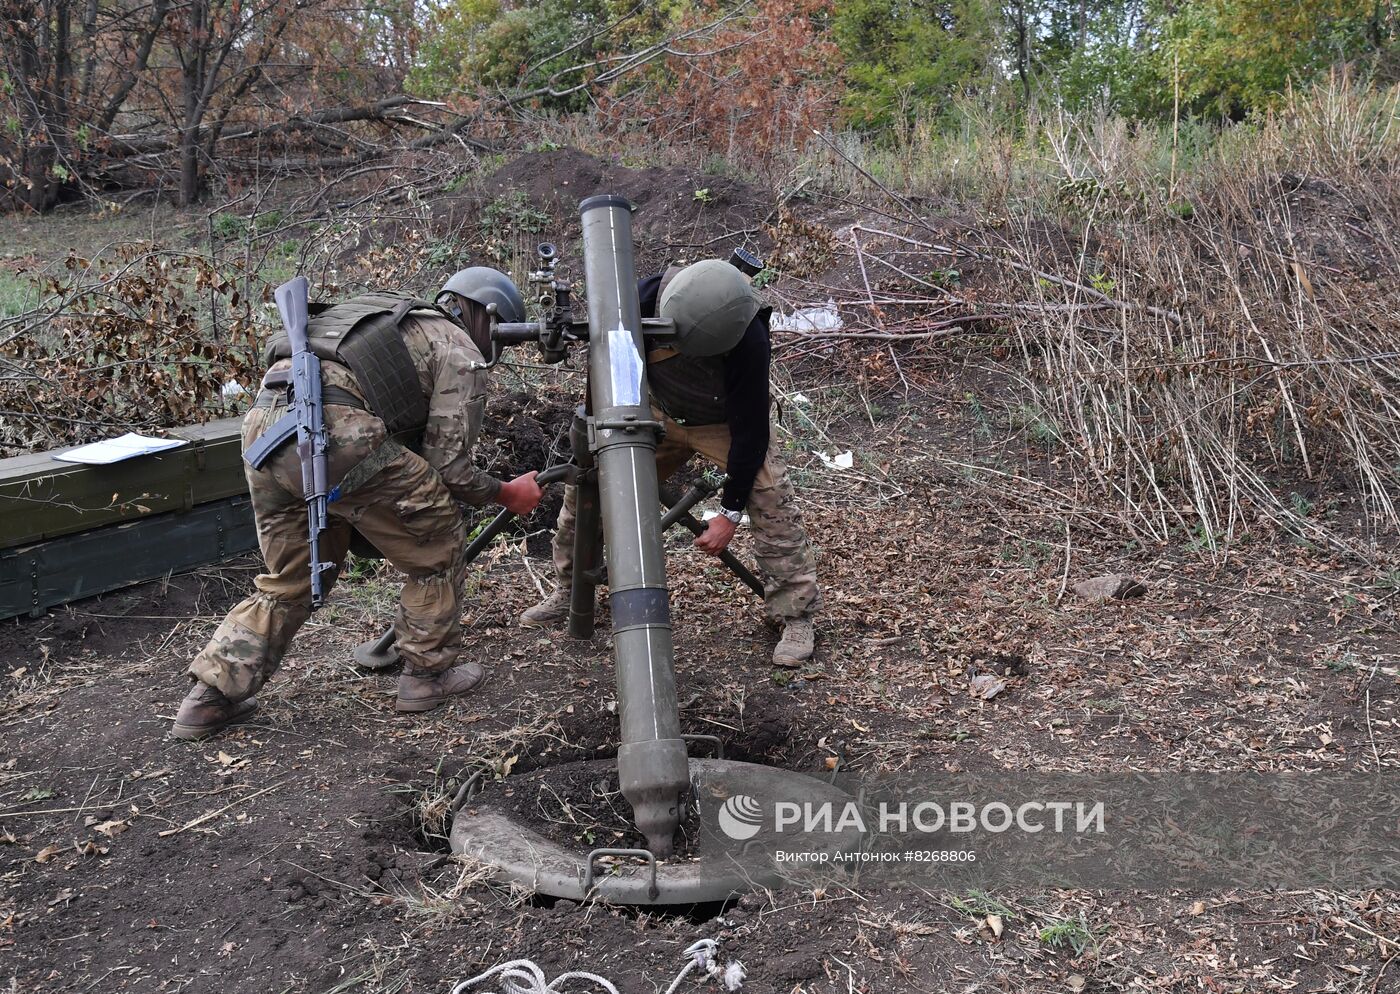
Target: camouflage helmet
711,304
487,286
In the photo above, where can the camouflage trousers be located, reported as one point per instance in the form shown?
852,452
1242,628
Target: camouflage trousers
780,543
405,510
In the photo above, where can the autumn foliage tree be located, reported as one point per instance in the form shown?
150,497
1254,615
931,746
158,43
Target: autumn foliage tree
170,94
760,84
66,72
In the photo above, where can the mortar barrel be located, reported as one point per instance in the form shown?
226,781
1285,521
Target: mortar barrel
652,766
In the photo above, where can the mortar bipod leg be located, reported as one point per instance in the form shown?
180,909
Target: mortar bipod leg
587,534
379,654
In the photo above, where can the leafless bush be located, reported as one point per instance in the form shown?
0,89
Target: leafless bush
142,335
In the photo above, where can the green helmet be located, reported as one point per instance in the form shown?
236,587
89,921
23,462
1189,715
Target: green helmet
487,286
711,305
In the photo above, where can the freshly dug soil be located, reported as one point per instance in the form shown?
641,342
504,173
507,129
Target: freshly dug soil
678,210
581,808
681,213
523,432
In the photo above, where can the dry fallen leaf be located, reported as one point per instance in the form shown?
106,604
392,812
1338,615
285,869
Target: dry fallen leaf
1076,982
986,686
112,828
1199,908
47,853
994,925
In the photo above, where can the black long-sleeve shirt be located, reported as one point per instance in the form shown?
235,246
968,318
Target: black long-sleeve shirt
746,398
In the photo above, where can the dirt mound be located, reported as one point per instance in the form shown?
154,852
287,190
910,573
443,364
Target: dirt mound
679,211
521,433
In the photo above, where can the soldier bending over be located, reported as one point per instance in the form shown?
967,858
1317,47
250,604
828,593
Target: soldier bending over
404,396
717,405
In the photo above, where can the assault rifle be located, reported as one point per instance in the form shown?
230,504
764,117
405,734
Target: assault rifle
305,419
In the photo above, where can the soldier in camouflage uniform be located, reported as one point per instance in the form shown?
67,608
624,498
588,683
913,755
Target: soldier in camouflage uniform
718,406
399,484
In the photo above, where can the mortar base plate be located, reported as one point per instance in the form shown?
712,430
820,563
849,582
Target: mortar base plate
721,867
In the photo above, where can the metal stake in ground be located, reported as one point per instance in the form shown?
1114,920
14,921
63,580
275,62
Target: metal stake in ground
651,762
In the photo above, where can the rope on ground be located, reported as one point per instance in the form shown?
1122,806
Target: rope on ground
523,976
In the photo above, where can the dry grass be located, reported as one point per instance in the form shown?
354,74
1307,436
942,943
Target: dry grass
1204,324
1279,374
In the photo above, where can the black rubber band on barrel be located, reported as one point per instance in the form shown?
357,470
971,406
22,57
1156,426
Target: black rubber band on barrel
640,606
605,200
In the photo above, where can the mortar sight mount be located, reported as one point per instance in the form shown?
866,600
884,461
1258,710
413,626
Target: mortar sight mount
619,522
556,329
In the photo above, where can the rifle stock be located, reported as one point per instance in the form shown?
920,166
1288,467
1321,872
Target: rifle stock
292,299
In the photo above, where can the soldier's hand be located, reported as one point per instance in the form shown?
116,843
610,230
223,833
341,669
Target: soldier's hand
718,534
521,495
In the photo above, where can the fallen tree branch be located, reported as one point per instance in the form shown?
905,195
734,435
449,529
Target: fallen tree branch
195,822
881,336
970,253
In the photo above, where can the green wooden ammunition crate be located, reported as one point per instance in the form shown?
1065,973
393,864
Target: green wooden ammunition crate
43,498
36,577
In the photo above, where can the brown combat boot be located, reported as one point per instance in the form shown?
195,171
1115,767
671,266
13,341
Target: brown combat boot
553,610
423,693
205,712
796,645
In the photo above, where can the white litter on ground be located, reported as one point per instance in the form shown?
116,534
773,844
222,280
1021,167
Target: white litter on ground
809,319
799,398
838,460
523,976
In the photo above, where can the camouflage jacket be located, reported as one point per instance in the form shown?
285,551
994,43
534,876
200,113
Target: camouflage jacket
449,371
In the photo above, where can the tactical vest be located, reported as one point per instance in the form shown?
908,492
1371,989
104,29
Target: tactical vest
690,389
363,334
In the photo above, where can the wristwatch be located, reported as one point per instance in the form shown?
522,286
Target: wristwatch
736,517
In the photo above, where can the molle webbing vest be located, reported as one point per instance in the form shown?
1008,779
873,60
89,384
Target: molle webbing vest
690,389
363,334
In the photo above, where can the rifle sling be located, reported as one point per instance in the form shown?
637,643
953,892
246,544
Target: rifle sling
329,395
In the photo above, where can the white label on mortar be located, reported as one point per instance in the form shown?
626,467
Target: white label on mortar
625,365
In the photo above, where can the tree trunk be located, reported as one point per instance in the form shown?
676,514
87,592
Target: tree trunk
193,78
1023,53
